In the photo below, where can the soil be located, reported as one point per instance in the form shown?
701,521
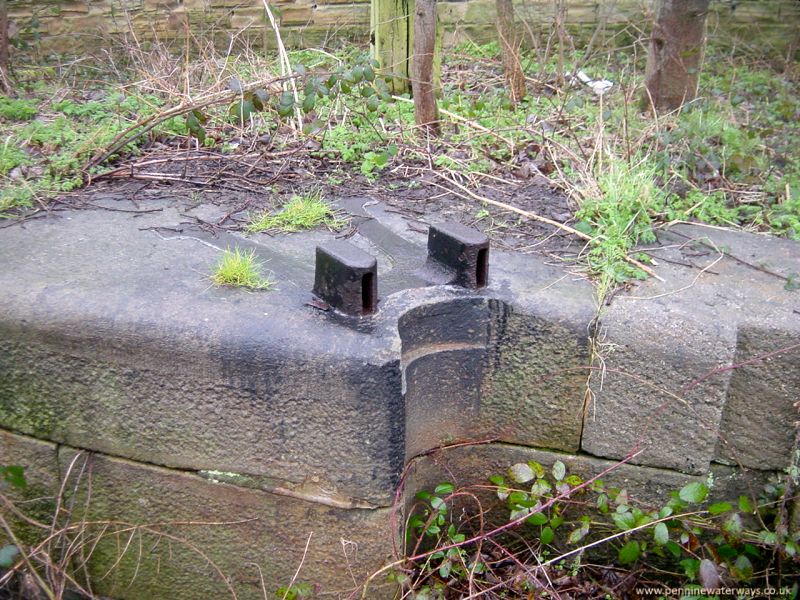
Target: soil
218,192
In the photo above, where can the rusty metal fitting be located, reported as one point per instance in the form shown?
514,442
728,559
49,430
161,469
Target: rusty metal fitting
346,278
461,250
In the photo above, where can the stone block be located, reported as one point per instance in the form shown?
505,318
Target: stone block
761,414
535,384
37,501
180,534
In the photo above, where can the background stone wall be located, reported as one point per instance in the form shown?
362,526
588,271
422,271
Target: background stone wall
75,25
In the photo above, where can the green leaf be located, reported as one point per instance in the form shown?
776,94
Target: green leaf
576,535
309,102
733,525
497,480
661,534
745,505
742,569
262,96
517,498
444,569
691,566
538,469
373,103
14,475
521,473
674,548
792,282
559,470
7,556
555,522
537,519
768,537
194,127
694,492
719,508
547,536
240,111
629,552
624,521
444,489
602,503
540,487
438,504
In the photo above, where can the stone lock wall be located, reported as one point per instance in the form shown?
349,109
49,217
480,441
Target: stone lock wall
75,25
250,426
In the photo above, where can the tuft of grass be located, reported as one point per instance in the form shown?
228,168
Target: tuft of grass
619,216
239,268
301,212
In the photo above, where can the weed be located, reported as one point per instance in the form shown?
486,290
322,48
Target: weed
13,109
301,212
559,519
619,214
239,268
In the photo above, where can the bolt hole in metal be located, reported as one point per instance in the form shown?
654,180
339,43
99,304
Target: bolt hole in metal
368,300
482,268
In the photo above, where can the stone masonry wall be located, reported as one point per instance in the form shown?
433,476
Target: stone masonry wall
75,25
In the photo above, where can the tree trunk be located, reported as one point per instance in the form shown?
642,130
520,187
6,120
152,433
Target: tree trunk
675,55
4,82
422,81
509,46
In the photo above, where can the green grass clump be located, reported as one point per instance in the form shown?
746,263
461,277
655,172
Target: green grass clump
239,268
301,212
12,109
620,217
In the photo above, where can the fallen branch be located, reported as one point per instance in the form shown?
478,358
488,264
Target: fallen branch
142,127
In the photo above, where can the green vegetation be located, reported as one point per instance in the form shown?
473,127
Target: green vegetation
564,528
307,211
728,158
51,149
238,268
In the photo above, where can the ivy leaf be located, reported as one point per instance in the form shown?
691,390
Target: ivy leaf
559,470
661,534
629,552
693,493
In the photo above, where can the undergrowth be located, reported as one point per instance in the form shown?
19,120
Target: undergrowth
554,533
727,158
